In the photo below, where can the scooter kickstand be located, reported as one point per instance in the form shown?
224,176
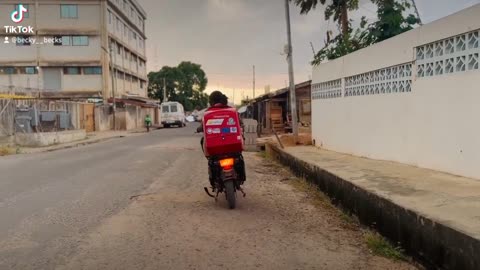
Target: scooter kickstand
208,193
243,192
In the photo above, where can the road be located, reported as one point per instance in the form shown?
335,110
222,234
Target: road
138,203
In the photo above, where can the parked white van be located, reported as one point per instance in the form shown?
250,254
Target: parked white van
172,114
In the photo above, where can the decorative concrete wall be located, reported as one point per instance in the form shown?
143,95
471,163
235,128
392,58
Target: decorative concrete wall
410,99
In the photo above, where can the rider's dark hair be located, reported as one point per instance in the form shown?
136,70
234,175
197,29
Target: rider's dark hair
217,97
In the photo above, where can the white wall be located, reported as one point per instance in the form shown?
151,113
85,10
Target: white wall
19,81
82,83
88,17
434,125
50,53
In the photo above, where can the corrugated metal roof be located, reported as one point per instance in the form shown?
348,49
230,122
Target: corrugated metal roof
281,91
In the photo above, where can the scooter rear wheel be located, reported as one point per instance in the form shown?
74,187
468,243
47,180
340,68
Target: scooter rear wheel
230,194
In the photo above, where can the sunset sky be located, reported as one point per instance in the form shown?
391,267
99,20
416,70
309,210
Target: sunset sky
228,37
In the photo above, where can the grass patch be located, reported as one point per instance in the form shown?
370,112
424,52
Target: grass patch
321,200
317,197
380,246
5,151
262,154
352,220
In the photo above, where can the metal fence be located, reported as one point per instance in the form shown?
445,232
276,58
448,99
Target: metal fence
37,115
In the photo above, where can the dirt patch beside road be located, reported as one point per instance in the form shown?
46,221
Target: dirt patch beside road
174,225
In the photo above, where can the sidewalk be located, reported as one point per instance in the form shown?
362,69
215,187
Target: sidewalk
434,215
93,137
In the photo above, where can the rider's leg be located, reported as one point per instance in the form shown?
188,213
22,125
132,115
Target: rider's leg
241,169
211,172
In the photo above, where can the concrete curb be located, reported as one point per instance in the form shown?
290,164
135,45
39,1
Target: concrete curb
80,143
74,145
434,244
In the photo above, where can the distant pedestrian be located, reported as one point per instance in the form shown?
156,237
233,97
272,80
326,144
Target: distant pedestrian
148,122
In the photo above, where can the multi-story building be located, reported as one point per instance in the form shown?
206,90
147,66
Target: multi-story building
73,47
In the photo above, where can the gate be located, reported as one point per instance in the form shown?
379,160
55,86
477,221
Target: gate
87,120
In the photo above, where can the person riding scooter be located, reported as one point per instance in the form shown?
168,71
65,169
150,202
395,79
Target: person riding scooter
218,100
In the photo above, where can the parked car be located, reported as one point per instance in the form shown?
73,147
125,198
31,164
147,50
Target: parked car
172,114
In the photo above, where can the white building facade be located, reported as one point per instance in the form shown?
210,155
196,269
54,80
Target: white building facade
68,54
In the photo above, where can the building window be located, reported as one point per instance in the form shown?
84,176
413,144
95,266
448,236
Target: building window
26,14
23,41
109,17
80,40
125,4
62,41
118,23
142,84
135,36
72,71
31,70
119,49
132,13
28,70
8,70
125,30
69,11
92,70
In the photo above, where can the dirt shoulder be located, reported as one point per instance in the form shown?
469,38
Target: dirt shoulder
279,225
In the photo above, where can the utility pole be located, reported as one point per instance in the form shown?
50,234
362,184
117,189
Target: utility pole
112,68
416,11
165,99
293,100
253,81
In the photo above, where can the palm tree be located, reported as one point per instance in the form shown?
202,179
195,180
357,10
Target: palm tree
338,9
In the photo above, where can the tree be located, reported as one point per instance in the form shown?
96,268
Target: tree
391,21
185,83
342,45
338,9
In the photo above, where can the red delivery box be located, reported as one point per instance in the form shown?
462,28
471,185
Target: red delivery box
223,134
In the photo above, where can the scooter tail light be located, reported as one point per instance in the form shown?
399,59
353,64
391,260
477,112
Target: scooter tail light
227,163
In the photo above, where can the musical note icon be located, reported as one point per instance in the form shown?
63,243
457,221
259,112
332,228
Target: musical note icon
17,14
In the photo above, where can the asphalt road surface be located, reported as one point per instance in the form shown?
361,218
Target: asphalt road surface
138,203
